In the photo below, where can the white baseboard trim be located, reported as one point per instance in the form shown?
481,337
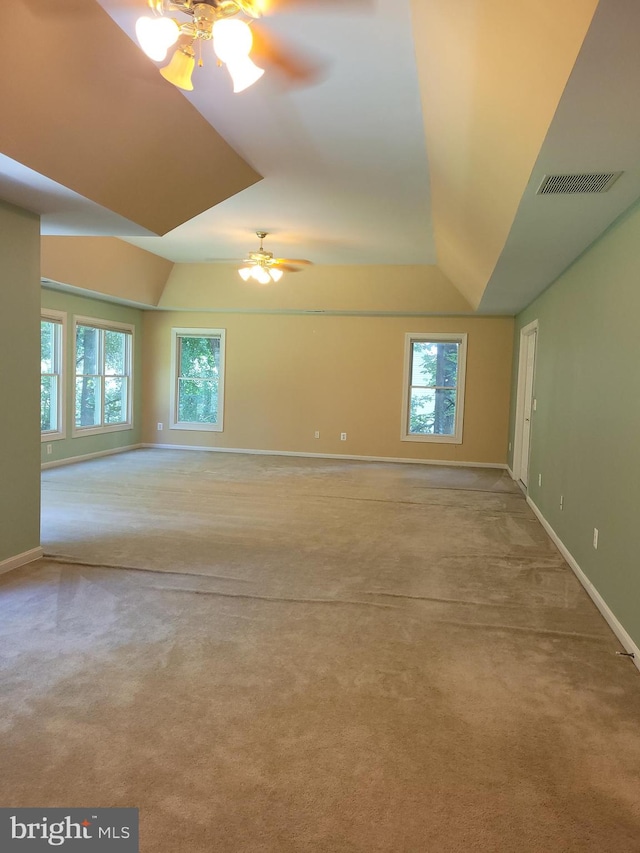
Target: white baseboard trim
447,462
510,472
20,560
85,456
595,596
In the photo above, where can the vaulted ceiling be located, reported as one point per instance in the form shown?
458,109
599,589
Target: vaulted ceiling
422,141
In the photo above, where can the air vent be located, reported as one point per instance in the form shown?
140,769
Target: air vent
569,184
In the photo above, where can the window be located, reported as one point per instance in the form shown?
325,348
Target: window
52,326
103,354
434,387
197,399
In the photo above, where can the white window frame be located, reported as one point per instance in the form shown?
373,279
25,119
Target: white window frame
103,326
176,334
459,338
49,315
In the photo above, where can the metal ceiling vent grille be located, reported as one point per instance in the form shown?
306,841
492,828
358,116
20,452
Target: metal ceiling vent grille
569,184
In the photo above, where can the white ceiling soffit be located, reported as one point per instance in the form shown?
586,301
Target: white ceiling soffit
492,73
344,161
596,128
62,211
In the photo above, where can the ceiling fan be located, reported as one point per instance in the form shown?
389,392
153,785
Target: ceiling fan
225,23
264,268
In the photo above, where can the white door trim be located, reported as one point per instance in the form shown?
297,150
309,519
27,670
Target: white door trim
527,330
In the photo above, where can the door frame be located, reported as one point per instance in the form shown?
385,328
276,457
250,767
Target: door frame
525,332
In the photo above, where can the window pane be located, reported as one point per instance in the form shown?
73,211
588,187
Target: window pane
423,363
47,347
432,412
448,361
88,401
199,357
434,364
421,411
115,350
198,401
87,349
115,400
445,412
48,403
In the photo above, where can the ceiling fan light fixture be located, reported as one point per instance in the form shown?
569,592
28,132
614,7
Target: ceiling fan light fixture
180,68
156,35
262,267
225,24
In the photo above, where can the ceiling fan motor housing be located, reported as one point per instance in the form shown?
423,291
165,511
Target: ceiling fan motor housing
261,257
265,259
221,8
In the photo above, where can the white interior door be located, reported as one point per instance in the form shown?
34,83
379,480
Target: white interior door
529,355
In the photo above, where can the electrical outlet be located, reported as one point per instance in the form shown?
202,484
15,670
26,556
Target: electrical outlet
160,427
539,479
49,449
561,501
343,436
595,538
316,434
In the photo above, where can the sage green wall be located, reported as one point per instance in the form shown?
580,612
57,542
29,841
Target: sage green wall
586,430
19,370
68,447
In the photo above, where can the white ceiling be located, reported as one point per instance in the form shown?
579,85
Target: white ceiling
344,161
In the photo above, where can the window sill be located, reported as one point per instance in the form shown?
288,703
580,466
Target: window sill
78,432
197,427
51,436
434,439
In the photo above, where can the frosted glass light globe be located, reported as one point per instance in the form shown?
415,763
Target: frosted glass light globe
232,39
156,35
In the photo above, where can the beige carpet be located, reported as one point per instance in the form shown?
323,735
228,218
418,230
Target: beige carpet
313,655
